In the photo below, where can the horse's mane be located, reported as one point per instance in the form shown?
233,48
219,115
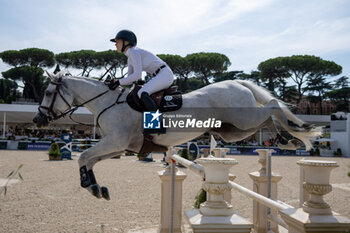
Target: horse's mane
67,74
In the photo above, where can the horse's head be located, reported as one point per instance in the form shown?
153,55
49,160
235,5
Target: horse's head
57,100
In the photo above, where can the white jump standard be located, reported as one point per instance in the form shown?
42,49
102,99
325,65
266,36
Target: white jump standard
216,215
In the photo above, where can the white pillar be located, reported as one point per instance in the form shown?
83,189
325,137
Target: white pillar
165,209
260,137
4,126
260,185
94,129
303,195
228,193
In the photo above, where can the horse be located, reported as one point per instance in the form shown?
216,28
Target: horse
242,106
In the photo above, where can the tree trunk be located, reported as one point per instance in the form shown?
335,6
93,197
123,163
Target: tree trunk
300,95
35,93
271,85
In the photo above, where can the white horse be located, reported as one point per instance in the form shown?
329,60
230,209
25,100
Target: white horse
242,107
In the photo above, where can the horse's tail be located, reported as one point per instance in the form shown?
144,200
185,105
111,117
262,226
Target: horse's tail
302,131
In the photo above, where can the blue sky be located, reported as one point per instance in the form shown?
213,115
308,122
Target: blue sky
247,31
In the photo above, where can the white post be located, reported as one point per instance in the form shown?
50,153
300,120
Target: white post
303,195
228,193
269,185
94,129
260,137
4,126
171,203
261,186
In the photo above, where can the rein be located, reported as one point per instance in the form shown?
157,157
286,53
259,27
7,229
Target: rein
115,103
71,110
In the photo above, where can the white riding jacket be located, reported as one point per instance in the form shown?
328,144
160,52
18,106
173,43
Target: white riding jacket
141,60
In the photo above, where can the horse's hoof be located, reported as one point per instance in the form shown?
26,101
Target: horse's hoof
308,126
293,125
105,193
95,189
289,146
297,143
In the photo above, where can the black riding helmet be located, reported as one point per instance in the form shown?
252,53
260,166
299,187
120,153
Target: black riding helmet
126,35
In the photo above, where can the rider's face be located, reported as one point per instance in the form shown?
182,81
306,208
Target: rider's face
119,45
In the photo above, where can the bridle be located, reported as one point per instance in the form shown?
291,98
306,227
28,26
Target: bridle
50,115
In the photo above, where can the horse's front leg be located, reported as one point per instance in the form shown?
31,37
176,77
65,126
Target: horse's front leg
106,148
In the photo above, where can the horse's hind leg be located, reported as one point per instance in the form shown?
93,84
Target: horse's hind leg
282,143
253,117
230,133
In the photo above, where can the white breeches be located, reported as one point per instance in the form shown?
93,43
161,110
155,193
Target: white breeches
161,81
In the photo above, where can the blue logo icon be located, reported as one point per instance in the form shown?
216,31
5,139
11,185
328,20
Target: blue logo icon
152,120
66,137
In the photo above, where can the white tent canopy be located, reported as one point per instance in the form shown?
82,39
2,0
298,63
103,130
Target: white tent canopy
18,113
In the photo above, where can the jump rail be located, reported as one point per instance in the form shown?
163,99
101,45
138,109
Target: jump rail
196,168
222,218
199,170
259,198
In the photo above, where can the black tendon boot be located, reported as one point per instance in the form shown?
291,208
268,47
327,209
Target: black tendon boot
148,102
87,177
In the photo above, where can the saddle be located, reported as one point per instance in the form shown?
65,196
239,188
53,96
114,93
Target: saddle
166,100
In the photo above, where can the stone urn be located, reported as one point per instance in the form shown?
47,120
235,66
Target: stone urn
317,174
216,184
220,152
263,158
205,152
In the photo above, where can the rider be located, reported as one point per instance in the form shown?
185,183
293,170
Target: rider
141,60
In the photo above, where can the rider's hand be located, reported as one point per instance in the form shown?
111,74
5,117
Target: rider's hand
107,81
113,84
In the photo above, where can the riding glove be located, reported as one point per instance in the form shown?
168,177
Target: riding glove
113,84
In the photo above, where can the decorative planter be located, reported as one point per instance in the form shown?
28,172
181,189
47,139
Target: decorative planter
205,152
263,158
317,174
52,157
216,184
220,152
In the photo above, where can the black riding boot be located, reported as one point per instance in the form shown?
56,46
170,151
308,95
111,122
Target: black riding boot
148,102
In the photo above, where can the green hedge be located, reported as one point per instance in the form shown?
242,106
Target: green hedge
22,145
